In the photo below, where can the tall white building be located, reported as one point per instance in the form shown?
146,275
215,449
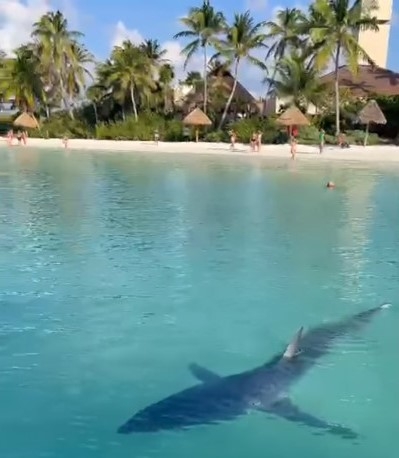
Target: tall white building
376,43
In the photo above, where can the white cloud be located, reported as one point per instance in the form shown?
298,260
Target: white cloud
122,33
173,49
256,5
17,18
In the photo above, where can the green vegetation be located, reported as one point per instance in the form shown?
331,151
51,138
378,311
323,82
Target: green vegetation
171,130
131,94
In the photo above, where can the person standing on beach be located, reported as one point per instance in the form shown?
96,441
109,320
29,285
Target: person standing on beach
156,136
293,146
254,140
233,138
10,136
322,136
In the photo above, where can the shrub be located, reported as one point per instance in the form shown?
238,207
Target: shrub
244,129
61,125
217,136
143,129
308,135
356,137
172,129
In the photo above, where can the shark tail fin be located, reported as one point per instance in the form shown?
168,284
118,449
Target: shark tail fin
293,347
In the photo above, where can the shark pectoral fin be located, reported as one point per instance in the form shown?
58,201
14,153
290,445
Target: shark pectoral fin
202,374
293,348
286,409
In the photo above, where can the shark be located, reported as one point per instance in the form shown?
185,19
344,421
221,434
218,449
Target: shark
216,398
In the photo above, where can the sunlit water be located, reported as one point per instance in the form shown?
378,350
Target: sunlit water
117,272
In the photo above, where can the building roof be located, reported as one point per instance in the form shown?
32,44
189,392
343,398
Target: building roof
223,80
369,80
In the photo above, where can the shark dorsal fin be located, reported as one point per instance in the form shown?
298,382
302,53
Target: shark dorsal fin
293,347
202,374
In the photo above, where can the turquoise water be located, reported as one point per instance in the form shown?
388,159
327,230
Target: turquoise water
116,272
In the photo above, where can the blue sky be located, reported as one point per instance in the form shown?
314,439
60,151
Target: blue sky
105,23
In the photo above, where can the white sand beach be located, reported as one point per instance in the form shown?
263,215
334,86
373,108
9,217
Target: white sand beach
370,154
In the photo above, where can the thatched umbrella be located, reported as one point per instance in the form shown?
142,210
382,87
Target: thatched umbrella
293,116
197,118
371,113
27,121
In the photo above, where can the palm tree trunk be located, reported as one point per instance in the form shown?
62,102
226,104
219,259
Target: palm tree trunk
70,109
336,83
205,79
95,112
64,97
165,100
231,96
271,82
133,101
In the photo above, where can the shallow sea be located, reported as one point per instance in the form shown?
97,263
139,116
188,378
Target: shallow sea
118,271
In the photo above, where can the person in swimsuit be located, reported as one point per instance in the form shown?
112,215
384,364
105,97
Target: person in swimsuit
233,138
254,139
156,136
10,136
293,146
19,137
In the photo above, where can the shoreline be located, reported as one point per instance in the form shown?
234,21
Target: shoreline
369,154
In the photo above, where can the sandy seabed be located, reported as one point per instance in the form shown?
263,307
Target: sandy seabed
370,154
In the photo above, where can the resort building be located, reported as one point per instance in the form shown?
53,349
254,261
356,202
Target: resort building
369,81
220,84
376,44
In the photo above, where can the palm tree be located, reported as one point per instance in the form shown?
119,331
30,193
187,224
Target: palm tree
297,78
153,50
131,71
244,37
95,94
77,71
193,79
26,84
6,65
334,26
215,66
166,76
56,45
284,35
203,24
113,92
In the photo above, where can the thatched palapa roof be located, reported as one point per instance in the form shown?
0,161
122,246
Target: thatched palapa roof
372,113
293,116
222,80
368,81
197,118
26,121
